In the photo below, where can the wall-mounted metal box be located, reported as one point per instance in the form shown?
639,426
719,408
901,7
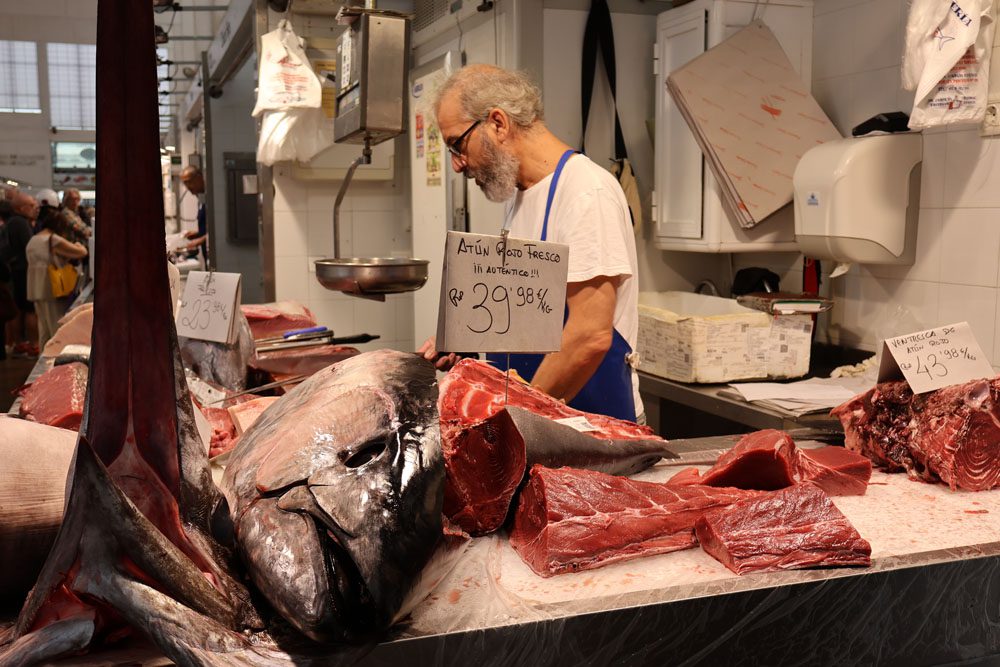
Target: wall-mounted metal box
372,72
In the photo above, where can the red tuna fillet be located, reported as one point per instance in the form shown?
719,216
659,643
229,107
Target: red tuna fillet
56,398
474,390
956,434
488,447
569,520
763,460
952,434
484,465
877,425
769,460
791,529
838,471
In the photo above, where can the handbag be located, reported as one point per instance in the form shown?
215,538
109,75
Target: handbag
599,36
62,278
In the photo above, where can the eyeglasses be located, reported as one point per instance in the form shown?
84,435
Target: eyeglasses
455,146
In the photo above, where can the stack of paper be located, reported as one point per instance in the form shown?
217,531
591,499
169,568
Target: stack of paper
799,398
753,117
785,303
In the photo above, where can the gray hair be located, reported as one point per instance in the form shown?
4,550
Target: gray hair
481,88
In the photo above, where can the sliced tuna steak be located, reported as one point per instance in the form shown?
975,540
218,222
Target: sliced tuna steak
838,471
950,435
56,398
268,320
489,444
35,459
570,519
485,464
791,529
769,460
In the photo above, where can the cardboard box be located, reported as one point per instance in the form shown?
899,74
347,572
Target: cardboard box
696,338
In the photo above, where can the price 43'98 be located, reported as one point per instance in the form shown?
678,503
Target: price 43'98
935,365
493,307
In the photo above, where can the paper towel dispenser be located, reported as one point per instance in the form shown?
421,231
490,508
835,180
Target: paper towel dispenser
858,199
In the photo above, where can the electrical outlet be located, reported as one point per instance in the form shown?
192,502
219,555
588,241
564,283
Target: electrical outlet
991,121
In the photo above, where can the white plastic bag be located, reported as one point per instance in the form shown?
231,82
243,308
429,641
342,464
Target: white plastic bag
293,134
289,96
946,59
286,79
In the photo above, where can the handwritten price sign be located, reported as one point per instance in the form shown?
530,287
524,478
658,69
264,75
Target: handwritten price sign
499,296
208,306
934,358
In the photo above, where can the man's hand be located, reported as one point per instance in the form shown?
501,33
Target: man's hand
191,233
442,362
195,241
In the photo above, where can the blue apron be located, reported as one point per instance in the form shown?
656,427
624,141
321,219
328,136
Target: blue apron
609,390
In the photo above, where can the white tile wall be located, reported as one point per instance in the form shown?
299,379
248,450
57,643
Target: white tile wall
856,64
374,221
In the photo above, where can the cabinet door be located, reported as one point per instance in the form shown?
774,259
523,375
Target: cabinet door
678,157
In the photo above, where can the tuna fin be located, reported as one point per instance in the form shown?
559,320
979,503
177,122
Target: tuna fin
140,493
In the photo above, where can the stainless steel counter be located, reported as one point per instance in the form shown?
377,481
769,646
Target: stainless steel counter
705,398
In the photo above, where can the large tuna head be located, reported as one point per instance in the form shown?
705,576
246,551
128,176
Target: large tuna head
336,494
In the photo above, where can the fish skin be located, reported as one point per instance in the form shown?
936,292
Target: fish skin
335,543
554,445
135,539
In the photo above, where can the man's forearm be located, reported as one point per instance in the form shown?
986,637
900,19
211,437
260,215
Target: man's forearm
563,374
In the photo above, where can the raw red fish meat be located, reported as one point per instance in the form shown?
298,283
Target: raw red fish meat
488,445
838,471
951,434
474,390
484,466
301,360
769,460
269,320
569,519
56,398
224,435
790,529
246,413
763,460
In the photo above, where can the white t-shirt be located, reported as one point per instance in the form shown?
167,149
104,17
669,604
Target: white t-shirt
590,215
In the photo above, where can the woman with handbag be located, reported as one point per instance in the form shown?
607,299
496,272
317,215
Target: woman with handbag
50,275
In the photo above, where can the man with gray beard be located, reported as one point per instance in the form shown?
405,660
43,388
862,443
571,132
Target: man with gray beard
492,122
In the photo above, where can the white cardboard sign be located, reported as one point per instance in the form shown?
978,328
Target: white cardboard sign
207,307
934,358
499,296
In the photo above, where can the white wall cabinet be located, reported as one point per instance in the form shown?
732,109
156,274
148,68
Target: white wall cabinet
687,206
